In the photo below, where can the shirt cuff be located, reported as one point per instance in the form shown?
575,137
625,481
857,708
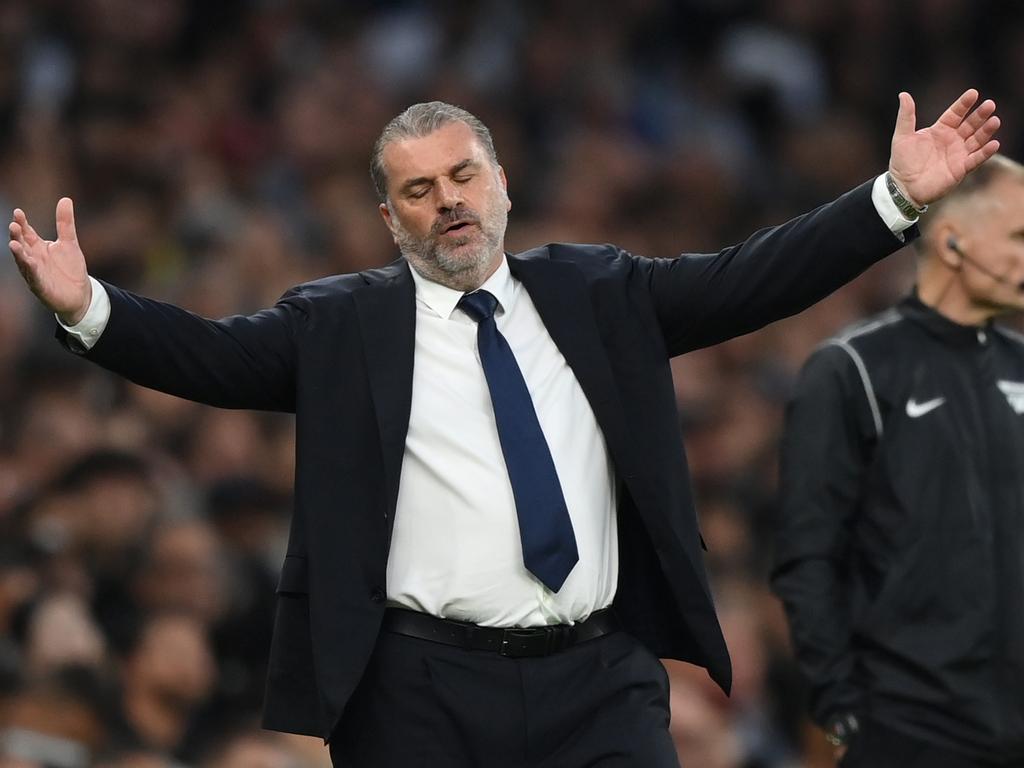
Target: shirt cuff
87,331
894,220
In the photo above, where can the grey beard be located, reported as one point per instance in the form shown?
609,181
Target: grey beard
437,262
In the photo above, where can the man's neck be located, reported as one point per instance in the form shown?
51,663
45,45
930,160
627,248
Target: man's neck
943,292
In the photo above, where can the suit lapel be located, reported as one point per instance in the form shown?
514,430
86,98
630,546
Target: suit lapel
560,294
387,318
387,323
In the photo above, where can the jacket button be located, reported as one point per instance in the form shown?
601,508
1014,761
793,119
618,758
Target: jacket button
378,595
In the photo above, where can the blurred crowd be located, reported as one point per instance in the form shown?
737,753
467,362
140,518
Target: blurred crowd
217,153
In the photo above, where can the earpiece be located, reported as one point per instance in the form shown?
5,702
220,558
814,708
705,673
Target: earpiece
954,245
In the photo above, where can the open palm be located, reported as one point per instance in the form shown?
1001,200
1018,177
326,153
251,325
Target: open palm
54,269
929,162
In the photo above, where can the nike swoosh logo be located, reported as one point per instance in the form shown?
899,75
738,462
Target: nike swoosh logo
916,410
1014,391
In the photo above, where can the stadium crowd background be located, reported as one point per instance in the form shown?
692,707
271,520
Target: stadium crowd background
217,153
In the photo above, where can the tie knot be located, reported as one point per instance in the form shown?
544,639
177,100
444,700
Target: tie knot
479,305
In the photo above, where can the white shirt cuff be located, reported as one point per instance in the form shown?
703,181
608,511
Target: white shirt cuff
894,220
87,331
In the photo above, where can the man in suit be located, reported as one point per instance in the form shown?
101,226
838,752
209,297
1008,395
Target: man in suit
494,537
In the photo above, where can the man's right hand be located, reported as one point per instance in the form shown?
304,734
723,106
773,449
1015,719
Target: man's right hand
54,269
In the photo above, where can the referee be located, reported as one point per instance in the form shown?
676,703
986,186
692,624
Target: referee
900,556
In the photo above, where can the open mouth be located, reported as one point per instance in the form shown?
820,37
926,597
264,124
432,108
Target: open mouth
456,227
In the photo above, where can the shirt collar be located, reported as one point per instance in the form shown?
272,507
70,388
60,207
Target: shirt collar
443,300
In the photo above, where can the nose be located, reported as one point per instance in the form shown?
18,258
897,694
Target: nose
448,195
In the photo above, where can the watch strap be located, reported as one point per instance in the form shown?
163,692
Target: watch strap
906,208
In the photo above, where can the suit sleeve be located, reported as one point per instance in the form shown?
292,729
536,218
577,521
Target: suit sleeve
236,362
703,299
826,447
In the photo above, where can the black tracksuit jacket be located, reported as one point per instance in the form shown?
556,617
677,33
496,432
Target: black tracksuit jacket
900,553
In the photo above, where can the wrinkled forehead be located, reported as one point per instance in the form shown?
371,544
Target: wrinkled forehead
431,155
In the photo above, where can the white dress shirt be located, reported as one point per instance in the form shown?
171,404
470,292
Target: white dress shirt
455,550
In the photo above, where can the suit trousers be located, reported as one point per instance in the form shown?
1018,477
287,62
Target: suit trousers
602,703
878,746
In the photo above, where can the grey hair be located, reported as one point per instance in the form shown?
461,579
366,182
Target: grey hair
421,120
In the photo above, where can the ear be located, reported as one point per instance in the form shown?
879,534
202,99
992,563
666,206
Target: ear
504,184
385,213
945,241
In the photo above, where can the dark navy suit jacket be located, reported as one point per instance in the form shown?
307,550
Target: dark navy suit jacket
338,352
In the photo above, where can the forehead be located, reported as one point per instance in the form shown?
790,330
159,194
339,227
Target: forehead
431,155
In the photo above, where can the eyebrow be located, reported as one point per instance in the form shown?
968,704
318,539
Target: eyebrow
457,168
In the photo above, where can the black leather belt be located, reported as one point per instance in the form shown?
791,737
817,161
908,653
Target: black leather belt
516,642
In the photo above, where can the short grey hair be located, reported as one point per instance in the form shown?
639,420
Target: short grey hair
422,120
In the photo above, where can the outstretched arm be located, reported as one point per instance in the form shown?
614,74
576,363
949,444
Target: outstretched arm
237,362
702,299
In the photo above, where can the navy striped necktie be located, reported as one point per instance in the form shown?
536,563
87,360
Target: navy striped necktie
545,530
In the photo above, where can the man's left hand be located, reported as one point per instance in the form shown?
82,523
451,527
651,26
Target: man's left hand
928,163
